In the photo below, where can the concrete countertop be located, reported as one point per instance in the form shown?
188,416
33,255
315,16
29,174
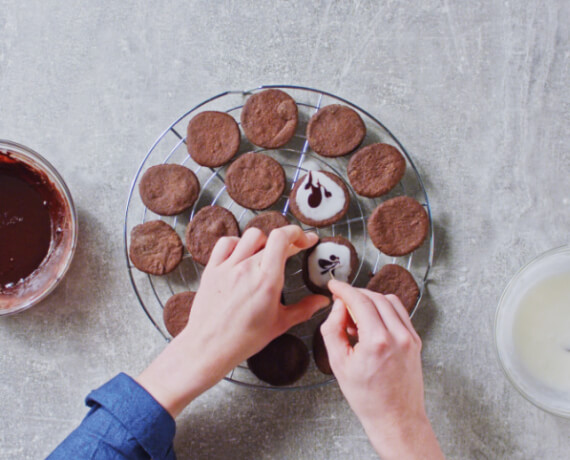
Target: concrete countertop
476,91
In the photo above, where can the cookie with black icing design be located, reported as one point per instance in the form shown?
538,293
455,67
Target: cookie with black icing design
332,257
319,198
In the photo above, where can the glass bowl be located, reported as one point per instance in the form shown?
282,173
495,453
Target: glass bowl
537,380
16,297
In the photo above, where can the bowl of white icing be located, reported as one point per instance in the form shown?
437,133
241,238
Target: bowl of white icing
532,331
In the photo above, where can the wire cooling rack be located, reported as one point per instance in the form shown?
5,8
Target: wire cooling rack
296,157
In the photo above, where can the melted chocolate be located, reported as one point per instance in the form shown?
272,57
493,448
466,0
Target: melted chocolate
328,265
316,196
26,200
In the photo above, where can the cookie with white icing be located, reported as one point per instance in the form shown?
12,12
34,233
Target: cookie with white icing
319,198
332,257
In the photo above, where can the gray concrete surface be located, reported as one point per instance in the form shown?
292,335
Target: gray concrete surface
477,91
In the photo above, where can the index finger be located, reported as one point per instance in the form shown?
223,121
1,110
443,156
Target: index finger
368,320
283,243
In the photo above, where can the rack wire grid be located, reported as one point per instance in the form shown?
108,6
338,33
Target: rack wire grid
296,157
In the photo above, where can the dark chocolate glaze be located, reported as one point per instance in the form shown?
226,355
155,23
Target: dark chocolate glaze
28,201
316,196
329,265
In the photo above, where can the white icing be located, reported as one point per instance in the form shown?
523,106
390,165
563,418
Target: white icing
320,275
329,206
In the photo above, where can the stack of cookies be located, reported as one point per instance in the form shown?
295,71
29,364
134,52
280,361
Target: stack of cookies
256,181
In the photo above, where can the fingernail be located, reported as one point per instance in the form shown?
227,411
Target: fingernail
312,236
333,282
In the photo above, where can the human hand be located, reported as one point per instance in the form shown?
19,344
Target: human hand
236,312
381,375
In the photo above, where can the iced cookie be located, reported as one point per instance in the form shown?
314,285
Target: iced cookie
332,257
319,198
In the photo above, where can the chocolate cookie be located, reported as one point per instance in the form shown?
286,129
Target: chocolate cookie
319,198
320,354
155,247
335,130
398,226
206,228
394,279
282,362
375,169
212,138
168,189
176,312
255,180
267,221
331,255
269,118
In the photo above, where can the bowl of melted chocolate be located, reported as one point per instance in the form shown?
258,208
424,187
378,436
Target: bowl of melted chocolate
38,228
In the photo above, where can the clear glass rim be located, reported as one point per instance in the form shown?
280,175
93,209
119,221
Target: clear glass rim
52,173
500,308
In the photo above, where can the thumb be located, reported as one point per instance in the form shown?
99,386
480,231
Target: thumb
334,334
306,307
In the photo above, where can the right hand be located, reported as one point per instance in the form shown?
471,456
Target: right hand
380,376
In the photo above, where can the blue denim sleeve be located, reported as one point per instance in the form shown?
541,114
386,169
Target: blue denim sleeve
124,422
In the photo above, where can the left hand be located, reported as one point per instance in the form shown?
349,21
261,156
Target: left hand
236,312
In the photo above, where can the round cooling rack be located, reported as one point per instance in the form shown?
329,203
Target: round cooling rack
296,157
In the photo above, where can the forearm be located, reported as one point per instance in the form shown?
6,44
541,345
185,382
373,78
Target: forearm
180,374
410,440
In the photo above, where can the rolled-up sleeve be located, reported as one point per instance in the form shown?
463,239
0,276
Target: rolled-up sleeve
125,422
